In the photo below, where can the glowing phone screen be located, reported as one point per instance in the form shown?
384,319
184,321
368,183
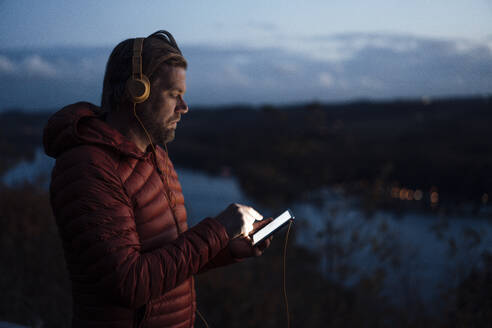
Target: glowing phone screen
272,226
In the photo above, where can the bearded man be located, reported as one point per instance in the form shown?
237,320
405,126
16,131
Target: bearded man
119,205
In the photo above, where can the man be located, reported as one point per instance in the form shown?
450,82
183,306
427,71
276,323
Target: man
118,202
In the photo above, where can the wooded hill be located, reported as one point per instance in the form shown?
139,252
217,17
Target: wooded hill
280,154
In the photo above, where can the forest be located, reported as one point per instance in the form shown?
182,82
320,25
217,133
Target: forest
425,156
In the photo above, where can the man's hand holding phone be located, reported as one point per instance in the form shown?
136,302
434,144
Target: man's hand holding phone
242,246
241,222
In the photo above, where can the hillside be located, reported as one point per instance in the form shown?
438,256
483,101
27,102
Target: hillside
367,148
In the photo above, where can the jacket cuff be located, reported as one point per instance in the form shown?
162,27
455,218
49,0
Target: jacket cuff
218,228
224,257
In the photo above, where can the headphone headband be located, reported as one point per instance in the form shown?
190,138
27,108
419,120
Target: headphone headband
166,37
138,86
137,58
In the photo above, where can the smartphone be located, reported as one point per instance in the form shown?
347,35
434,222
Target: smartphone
273,226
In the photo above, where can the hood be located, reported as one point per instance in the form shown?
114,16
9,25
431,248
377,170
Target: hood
82,124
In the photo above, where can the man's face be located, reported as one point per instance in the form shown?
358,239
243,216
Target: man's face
162,111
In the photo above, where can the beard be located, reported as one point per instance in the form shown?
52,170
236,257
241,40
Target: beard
159,133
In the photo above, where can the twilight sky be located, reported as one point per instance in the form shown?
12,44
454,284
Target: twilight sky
54,52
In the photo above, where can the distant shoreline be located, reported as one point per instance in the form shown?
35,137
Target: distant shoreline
368,149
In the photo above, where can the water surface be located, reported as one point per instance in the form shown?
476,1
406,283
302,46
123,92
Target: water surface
422,255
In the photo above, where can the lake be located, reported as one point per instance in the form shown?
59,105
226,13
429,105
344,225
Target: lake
422,255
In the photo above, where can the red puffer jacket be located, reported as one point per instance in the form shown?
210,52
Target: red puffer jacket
129,252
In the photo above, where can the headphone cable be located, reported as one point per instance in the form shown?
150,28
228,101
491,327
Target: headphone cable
284,288
143,127
170,197
202,318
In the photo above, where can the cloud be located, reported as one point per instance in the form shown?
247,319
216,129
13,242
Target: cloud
361,65
37,66
344,46
262,25
50,78
32,65
233,75
326,79
288,67
371,83
376,66
6,65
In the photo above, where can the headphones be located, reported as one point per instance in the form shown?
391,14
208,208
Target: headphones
138,85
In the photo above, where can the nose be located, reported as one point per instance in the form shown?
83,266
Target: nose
182,106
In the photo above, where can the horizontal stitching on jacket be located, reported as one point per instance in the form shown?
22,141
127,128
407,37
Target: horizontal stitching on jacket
136,170
158,192
184,291
91,261
162,207
77,151
63,175
198,249
156,217
125,164
102,261
175,313
74,216
79,177
81,222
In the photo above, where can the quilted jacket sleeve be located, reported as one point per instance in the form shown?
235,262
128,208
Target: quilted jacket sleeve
103,250
223,258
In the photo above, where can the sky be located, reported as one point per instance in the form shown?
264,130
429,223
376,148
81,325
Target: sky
54,52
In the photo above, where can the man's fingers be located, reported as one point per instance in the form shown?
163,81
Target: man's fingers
262,246
242,247
249,217
257,216
260,224
247,228
238,219
250,212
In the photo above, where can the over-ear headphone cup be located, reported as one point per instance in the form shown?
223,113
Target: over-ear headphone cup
138,89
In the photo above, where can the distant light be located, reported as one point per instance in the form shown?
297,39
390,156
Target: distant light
485,198
434,197
395,192
410,194
417,195
404,194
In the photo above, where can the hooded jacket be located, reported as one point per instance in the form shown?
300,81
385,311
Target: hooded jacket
122,221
